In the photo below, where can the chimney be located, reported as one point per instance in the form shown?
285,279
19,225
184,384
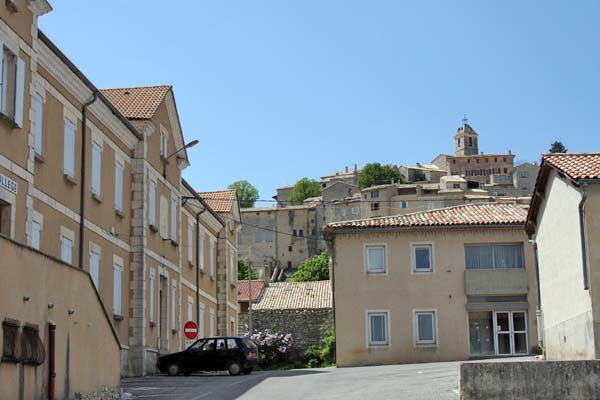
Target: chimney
346,169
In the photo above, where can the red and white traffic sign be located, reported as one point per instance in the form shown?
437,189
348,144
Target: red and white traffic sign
190,330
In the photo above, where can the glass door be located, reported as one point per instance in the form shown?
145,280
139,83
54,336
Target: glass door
511,333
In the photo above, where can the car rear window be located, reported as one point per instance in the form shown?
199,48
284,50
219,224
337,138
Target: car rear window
249,343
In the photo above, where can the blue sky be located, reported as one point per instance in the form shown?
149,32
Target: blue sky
277,90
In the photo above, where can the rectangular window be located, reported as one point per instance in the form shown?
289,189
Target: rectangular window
39,113
355,210
152,203
422,257
524,186
174,305
493,256
374,194
425,332
117,278
378,328
301,232
212,258
151,296
290,249
174,219
343,212
190,242
36,233
69,149
66,249
190,309
96,167
164,217
94,267
524,174
12,86
375,259
295,232
212,322
201,320
118,186
201,246
163,144
269,235
232,262
404,204
257,231
374,206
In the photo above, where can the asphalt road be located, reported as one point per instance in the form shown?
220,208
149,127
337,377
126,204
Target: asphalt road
436,381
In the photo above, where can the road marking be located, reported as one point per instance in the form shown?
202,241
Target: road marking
204,395
244,380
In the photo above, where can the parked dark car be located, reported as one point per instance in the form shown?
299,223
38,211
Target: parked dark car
238,355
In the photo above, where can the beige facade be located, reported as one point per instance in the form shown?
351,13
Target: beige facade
135,224
426,289
563,221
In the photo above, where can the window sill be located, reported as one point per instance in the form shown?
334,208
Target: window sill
152,324
9,121
426,345
378,345
70,179
376,272
118,317
39,158
119,213
153,228
422,272
174,243
97,198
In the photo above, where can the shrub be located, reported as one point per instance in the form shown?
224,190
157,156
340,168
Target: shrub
273,348
322,355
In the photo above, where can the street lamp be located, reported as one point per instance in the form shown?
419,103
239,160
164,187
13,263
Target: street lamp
187,146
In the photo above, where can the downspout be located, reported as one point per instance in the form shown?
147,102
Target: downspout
538,309
82,189
584,193
51,359
332,246
198,266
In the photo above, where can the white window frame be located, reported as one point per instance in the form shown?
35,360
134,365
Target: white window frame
201,312
232,268
174,218
96,168
368,315
117,285
119,171
37,225
18,85
164,217
152,203
212,322
201,247
152,284
190,308
173,304
164,143
368,268
95,271
190,242
66,257
69,134
403,204
343,211
425,343
355,210
39,121
212,258
413,257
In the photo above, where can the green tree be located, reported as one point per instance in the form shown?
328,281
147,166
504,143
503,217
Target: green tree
376,174
557,147
303,189
247,194
243,270
313,269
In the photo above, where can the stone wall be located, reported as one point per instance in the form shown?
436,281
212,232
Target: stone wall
304,325
530,380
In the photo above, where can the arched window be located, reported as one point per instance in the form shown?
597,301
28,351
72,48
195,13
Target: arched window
470,142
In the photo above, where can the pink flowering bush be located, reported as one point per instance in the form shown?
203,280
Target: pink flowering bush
273,348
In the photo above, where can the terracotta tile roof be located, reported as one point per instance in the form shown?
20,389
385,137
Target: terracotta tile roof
469,214
137,102
575,165
221,200
295,295
242,287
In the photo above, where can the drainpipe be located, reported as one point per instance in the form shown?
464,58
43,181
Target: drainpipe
584,193
538,309
198,266
51,358
82,189
332,247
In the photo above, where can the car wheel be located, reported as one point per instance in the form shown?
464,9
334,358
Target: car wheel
173,370
247,371
234,368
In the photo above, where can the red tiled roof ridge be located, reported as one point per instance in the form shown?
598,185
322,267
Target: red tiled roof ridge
137,87
576,165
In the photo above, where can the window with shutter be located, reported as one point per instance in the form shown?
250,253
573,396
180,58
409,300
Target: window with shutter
118,186
39,113
95,267
152,203
212,258
174,305
201,320
190,309
190,241
69,149
164,217
96,167
118,272
201,247
36,230
174,219
66,250
151,297
12,86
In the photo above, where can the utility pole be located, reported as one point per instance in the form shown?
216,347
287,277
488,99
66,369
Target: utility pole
250,297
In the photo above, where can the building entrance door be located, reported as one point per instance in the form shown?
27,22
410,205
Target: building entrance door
511,333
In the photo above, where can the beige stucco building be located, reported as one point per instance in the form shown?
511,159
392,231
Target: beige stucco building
564,222
448,284
93,178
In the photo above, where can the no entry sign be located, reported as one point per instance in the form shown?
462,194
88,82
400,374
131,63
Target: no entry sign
190,330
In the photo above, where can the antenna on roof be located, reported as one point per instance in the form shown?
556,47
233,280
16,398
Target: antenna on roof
465,119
